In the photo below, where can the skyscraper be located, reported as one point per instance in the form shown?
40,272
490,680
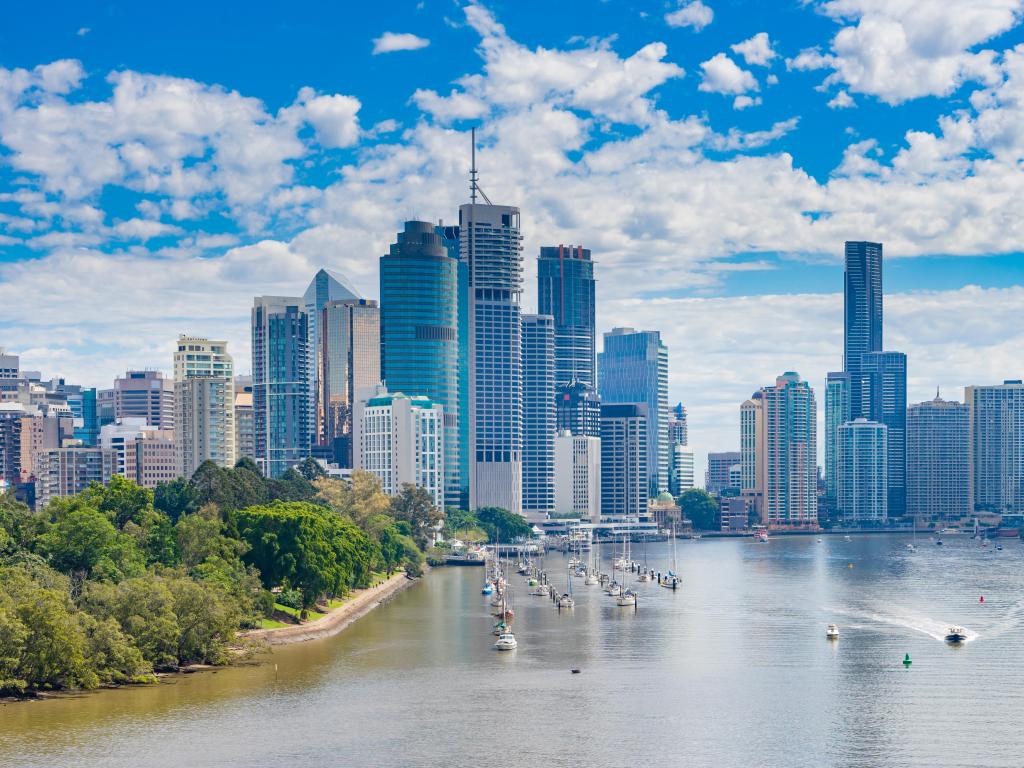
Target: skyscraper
144,394
862,489
578,476
884,399
678,428
348,359
862,305
280,382
997,446
624,473
577,409
538,415
837,413
682,469
720,463
490,247
678,437
633,368
565,290
204,404
422,285
938,469
245,424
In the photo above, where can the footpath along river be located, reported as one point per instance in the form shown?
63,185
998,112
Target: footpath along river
732,670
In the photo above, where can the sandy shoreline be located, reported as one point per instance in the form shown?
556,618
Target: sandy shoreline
362,602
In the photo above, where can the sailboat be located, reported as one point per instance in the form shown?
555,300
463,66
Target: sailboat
566,601
911,546
670,580
645,575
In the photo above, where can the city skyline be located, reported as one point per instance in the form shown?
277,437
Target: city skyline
951,295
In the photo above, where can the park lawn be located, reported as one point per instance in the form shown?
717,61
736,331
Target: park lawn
273,624
311,615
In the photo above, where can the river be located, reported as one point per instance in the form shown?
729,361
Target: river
731,670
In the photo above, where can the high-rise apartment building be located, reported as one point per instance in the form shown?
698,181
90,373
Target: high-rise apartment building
538,415
682,469
624,474
862,489
400,439
140,452
717,478
633,368
577,409
862,310
884,399
938,466
144,395
997,446
566,291
678,429
423,336
280,383
837,413
578,476
67,471
245,424
204,404
490,247
348,358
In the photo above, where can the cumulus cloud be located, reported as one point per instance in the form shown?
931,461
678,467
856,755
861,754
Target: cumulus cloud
390,42
756,50
722,75
690,13
842,100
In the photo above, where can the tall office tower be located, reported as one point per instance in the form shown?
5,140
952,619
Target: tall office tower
884,399
204,393
624,473
717,477
538,416
423,337
787,454
85,410
862,488
938,468
245,425
565,290
491,249
682,469
751,444
10,365
349,361
577,409
400,439
280,382
325,286
67,471
578,476
862,312
678,431
837,413
144,395
143,454
997,446
633,368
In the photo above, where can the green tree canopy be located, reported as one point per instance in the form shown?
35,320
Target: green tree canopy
415,505
700,507
122,500
358,499
84,542
501,524
175,499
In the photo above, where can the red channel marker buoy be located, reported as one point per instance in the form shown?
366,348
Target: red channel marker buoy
981,599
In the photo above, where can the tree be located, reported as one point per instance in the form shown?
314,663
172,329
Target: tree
84,542
700,507
502,525
122,500
310,469
175,499
20,524
358,499
415,505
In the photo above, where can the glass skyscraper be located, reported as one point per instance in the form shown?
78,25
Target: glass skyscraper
565,290
862,312
884,396
421,282
538,415
633,368
577,410
280,382
837,413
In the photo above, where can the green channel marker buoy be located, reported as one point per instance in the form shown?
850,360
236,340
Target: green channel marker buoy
906,661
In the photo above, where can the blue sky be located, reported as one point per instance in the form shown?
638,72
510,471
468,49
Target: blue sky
160,165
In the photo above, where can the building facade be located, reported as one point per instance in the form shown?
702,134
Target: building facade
141,453
884,399
624,474
578,409
862,489
566,291
938,466
837,413
245,425
718,478
997,446
143,395
862,312
787,454
578,476
423,339
65,472
400,439
633,368
538,353
682,469
204,404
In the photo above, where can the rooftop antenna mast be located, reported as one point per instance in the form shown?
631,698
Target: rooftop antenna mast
474,186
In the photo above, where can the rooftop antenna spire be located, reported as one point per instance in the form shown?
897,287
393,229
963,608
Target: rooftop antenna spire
474,186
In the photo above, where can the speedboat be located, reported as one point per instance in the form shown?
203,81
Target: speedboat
565,601
761,535
911,547
626,598
938,543
999,547
487,590
832,632
506,642
847,538
956,635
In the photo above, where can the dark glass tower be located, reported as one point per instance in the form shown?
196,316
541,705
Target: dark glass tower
884,395
577,409
565,288
420,287
862,306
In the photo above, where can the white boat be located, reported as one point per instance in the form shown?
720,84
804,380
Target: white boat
832,632
956,635
761,535
591,579
644,577
911,548
627,598
506,642
540,591
566,601
613,589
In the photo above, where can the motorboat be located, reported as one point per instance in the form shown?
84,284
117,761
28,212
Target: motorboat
488,589
761,536
956,635
938,543
847,538
911,547
832,632
566,601
999,547
626,598
506,642
540,591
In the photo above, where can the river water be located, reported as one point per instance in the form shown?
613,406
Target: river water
731,670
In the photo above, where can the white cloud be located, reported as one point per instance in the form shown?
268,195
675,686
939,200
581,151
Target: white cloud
745,102
333,117
756,50
842,100
83,31
390,42
692,13
722,75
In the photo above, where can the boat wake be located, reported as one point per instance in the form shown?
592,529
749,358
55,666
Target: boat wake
927,626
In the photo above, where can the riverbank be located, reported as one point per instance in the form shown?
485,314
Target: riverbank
361,602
